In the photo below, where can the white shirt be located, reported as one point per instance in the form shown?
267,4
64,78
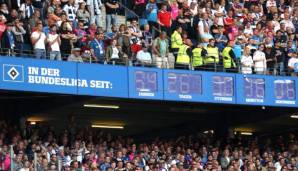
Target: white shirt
292,62
144,56
288,23
40,44
247,63
26,10
201,27
70,11
55,46
115,54
260,61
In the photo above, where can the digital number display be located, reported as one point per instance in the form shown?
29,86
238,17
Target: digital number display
284,89
223,86
254,88
146,81
184,83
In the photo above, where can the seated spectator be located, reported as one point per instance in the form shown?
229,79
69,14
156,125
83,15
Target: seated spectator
75,55
293,63
143,57
83,14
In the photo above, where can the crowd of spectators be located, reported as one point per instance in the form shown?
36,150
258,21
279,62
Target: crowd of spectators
42,148
249,36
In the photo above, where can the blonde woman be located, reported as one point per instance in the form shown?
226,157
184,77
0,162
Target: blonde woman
246,61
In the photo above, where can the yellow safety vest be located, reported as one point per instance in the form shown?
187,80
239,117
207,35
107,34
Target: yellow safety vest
197,58
212,54
228,61
182,57
176,40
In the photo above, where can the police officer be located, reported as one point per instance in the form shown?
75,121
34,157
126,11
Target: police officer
184,54
176,41
198,54
211,61
229,57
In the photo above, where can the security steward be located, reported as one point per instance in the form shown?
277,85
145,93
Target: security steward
229,57
198,55
211,61
176,41
184,55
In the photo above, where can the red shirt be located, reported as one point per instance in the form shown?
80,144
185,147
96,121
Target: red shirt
165,18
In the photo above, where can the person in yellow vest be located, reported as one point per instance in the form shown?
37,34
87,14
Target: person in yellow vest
198,55
184,55
211,60
176,41
229,57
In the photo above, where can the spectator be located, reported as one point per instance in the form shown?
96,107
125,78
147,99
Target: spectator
246,61
19,32
38,39
144,57
164,19
97,47
293,63
259,59
27,9
70,10
75,56
151,11
270,59
95,9
113,53
8,41
112,7
161,51
84,15
54,43
67,38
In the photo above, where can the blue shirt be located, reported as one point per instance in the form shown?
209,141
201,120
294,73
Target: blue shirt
11,39
238,51
98,48
151,15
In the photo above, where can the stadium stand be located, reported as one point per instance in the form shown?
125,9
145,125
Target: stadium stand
41,148
233,36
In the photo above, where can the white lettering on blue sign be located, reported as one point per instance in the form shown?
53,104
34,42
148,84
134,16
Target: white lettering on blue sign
51,76
185,96
225,99
146,94
254,100
285,102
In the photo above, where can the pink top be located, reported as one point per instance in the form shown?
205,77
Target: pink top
174,11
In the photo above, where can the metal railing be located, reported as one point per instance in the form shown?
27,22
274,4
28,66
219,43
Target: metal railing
167,62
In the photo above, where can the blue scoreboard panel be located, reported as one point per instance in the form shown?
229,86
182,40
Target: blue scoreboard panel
145,83
183,85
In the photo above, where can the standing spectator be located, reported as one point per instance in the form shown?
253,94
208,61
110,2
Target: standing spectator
4,11
54,43
270,59
293,64
27,9
8,41
151,11
38,39
164,19
280,58
19,32
35,18
70,10
161,51
67,39
95,9
97,47
259,59
246,61
112,7
75,55
135,31
81,34
84,15
113,53
220,39
139,7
